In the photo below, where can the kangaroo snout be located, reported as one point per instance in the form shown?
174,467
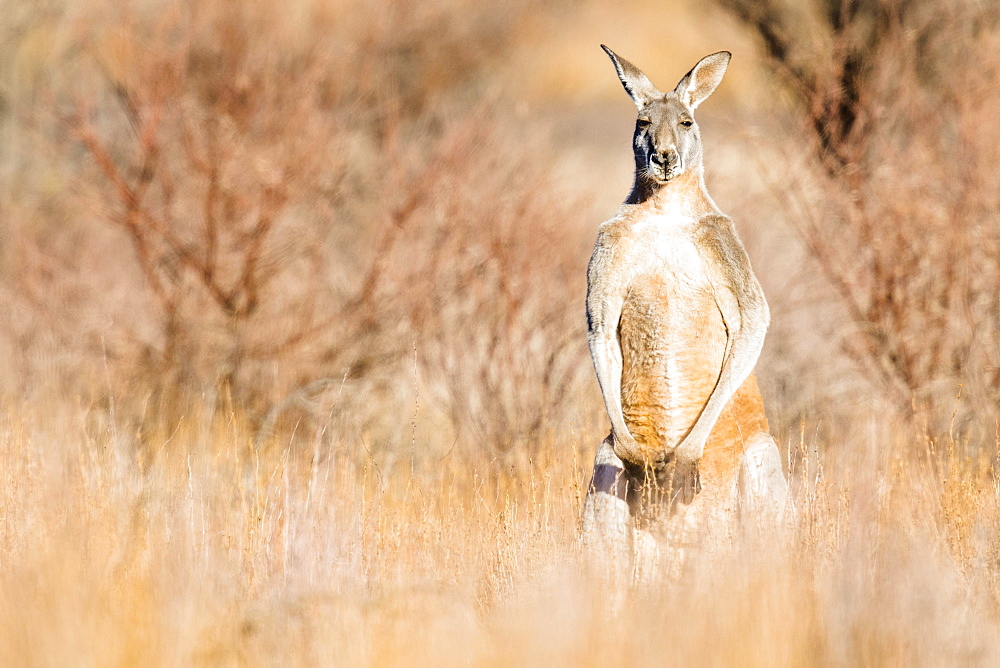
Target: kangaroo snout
667,158
664,165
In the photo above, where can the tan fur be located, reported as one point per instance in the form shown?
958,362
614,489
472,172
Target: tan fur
676,316
743,418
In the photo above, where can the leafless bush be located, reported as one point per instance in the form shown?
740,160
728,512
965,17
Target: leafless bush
899,214
492,277
263,212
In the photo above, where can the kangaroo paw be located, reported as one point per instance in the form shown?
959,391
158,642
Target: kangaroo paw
686,482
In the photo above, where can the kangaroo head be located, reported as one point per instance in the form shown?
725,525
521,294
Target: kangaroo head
666,141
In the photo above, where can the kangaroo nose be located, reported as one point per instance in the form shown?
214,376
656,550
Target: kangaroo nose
665,158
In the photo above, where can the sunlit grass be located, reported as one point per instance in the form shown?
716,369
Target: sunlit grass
198,549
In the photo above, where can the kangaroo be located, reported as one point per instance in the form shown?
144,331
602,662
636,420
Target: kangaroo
676,321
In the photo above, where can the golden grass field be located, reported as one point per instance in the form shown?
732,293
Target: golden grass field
293,363
201,552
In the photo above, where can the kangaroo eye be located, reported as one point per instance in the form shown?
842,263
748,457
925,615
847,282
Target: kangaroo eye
687,123
643,122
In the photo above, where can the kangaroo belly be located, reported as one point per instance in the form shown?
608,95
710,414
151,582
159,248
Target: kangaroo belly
672,340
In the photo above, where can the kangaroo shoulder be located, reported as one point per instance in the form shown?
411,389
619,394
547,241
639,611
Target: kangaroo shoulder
612,241
613,232
718,242
728,263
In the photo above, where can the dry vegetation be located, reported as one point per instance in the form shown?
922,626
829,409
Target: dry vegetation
293,351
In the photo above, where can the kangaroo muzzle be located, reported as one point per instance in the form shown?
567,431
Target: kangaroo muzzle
664,165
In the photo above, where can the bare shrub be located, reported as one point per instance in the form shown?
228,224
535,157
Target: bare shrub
492,280
265,216
899,212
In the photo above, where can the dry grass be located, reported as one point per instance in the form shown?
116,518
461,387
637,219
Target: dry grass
199,550
293,349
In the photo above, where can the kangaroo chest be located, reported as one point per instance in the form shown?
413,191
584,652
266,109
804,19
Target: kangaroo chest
665,244
672,334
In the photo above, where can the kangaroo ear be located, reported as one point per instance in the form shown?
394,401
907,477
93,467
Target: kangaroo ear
637,85
700,82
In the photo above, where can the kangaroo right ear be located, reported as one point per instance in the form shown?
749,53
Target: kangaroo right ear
702,81
637,85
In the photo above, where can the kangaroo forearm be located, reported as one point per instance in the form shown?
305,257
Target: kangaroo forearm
608,364
737,366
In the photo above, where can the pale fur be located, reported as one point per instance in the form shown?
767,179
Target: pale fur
676,317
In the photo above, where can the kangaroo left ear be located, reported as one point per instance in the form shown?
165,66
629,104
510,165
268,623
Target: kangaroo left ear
637,85
701,81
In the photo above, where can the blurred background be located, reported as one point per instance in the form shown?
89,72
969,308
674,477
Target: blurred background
377,217
293,356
